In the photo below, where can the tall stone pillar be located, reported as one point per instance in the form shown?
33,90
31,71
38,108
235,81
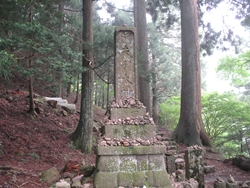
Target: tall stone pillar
125,63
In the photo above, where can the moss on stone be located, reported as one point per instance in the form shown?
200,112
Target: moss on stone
106,180
139,179
161,179
108,163
128,164
125,179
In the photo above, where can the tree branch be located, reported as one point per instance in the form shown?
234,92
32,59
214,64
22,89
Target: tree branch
104,61
118,8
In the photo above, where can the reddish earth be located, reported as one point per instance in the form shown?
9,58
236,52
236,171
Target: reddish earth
32,144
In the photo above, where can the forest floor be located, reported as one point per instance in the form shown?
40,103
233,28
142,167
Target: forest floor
30,144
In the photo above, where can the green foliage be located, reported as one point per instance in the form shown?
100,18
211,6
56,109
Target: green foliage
227,121
236,69
6,64
225,118
170,112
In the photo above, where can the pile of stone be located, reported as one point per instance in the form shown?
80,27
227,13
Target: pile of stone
141,120
105,141
129,102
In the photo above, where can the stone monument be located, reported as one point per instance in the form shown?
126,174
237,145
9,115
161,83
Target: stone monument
128,153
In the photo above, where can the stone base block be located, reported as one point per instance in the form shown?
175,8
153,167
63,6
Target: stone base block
132,131
153,179
120,113
130,163
131,150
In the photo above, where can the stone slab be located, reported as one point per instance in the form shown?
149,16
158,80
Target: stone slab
106,180
120,113
132,131
153,179
131,150
125,63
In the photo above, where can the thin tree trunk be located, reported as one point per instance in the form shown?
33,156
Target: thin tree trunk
77,88
83,135
31,93
143,63
155,109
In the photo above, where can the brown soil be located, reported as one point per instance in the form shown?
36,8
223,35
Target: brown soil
32,144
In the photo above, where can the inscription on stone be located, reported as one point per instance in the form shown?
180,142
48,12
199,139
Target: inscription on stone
125,63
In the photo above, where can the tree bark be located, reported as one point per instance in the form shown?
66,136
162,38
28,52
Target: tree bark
155,109
143,63
190,130
83,135
31,93
77,89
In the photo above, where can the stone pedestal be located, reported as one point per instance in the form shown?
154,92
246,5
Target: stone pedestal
129,165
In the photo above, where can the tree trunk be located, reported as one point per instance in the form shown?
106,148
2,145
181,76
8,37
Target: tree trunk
77,88
190,130
155,110
31,93
82,137
143,63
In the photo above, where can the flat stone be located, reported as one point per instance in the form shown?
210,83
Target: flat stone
219,184
139,179
106,180
156,162
162,179
170,162
132,131
108,163
131,150
232,185
125,179
209,169
120,113
142,162
128,163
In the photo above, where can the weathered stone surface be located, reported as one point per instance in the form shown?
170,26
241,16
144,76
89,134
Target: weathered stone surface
62,184
87,170
132,131
142,162
219,184
180,174
242,162
232,185
108,164
77,182
125,64
139,179
156,162
106,180
194,164
161,179
116,113
132,150
209,169
170,162
53,101
125,179
192,183
128,163
50,176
